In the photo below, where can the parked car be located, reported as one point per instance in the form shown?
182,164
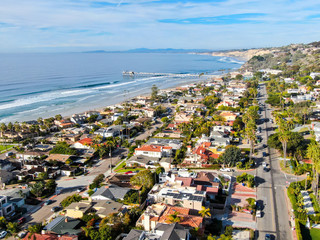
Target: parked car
21,220
258,214
264,164
3,234
48,202
266,169
22,234
268,236
264,154
80,189
226,170
129,172
55,209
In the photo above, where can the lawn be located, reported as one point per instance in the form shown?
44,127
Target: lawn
5,147
315,233
122,169
286,169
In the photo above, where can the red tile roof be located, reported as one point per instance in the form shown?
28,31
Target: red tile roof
152,148
186,181
85,141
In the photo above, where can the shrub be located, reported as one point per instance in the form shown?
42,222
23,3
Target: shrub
70,199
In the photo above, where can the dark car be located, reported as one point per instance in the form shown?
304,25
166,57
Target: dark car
48,202
264,145
269,237
55,209
264,154
266,169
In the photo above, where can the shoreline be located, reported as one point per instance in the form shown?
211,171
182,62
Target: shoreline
120,100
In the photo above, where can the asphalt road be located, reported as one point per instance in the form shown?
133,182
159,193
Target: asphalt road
272,185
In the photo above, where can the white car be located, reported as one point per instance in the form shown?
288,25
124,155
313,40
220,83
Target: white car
3,234
264,164
225,169
258,214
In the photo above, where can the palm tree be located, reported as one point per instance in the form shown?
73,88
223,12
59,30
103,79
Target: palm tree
250,132
3,128
174,218
313,152
284,135
205,212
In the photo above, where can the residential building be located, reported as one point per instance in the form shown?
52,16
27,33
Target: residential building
110,192
162,231
160,213
63,225
154,151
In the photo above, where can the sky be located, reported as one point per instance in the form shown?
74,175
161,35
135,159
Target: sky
83,25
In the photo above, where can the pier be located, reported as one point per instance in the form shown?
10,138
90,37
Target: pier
142,74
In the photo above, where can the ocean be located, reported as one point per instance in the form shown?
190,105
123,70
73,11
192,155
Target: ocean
46,84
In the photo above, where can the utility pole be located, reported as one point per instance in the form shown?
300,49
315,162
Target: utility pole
110,155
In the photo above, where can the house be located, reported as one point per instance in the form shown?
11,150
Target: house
154,151
160,213
162,231
6,165
120,180
182,118
228,116
102,208
110,192
186,198
64,123
6,208
105,208
78,119
112,131
219,138
84,143
49,236
30,155
67,171
58,157
93,113
78,209
143,161
5,177
174,143
63,225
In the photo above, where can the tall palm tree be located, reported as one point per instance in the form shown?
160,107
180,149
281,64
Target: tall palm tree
313,152
284,136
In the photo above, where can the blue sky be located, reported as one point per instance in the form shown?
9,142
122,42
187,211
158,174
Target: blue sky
78,25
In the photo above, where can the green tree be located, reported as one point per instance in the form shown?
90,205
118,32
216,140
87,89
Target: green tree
13,227
231,156
36,228
3,222
143,178
154,92
51,185
43,176
38,188
58,117
313,152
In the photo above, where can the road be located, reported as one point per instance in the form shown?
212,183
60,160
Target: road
271,187
148,133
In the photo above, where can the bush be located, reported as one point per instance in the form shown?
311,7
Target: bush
71,199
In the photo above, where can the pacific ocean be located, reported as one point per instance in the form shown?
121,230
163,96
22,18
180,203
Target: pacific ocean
45,84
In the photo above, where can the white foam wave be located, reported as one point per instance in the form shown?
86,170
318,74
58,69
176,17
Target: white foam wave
230,60
43,98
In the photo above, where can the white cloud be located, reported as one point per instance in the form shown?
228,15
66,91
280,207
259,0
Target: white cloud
135,23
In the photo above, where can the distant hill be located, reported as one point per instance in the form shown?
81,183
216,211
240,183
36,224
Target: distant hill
147,50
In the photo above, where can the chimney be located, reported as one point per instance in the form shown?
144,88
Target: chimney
66,219
106,187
